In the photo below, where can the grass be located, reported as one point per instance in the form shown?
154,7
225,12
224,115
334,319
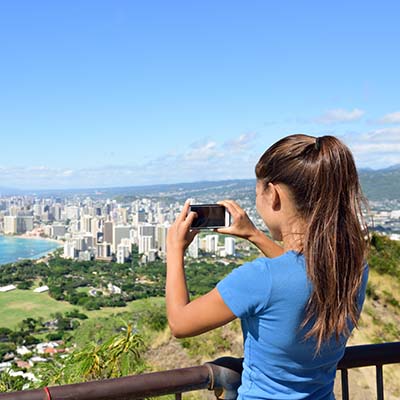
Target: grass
20,304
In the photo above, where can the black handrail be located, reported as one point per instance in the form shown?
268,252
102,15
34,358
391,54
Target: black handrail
222,375
368,355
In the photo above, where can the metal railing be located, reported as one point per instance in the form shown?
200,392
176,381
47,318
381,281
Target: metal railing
222,375
365,356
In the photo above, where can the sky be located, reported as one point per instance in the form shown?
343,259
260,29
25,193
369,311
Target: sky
123,93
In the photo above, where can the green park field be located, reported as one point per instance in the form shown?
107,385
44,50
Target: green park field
20,304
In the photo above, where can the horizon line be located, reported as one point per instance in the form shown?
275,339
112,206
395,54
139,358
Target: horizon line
10,190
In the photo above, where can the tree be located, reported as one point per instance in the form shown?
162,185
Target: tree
25,285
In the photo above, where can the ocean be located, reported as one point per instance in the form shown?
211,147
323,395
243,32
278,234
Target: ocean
14,248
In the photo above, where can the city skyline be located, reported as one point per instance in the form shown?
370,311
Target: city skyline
98,94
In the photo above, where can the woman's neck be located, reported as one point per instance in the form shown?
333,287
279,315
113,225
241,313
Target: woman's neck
293,235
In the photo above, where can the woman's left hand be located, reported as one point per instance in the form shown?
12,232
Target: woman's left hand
179,234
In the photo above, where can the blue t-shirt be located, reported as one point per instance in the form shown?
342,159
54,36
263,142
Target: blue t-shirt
269,295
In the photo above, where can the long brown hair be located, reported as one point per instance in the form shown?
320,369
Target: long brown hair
322,178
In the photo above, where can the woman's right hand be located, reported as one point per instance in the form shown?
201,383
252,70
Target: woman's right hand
242,225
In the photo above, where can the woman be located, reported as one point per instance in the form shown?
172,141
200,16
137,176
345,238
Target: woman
299,304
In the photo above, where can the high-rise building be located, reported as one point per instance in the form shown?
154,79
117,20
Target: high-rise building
211,243
57,211
17,224
37,210
230,246
89,241
120,232
145,244
122,215
10,225
94,226
123,252
147,230
80,243
13,210
86,224
161,237
104,250
72,212
193,248
57,231
139,217
108,231
70,250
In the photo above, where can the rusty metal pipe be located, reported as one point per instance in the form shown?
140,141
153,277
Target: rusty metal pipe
126,388
222,376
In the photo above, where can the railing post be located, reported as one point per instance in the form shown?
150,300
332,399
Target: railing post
345,384
379,382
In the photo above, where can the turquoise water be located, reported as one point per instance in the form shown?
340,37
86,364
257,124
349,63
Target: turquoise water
14,248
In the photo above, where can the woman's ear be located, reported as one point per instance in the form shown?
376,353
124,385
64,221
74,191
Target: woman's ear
275,196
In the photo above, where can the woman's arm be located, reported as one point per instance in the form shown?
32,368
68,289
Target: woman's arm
244,228
207,312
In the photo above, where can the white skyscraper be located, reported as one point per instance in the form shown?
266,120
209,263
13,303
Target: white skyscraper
120,232
108,232
69,249
17,224
211,243
72,212
161,237
57,211
123,251
230,246
37,210
147,230
104,250
94,226
86,224
57,231
139,217
145,244
10,225
193,248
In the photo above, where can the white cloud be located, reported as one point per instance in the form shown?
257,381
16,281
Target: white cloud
340,115
203,160
243,142
392,118
202,152
376,149
386,135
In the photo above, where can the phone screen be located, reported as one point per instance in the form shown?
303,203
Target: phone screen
208,216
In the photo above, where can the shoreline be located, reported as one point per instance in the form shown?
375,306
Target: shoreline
24,236
41,256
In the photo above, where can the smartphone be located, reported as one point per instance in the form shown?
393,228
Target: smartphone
210,216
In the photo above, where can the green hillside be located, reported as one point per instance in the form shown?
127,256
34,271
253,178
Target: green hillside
381,184
380,322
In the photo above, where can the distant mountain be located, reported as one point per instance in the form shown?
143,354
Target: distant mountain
6,191
377,185
381,184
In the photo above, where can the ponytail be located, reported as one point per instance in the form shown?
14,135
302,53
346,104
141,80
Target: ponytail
323,180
